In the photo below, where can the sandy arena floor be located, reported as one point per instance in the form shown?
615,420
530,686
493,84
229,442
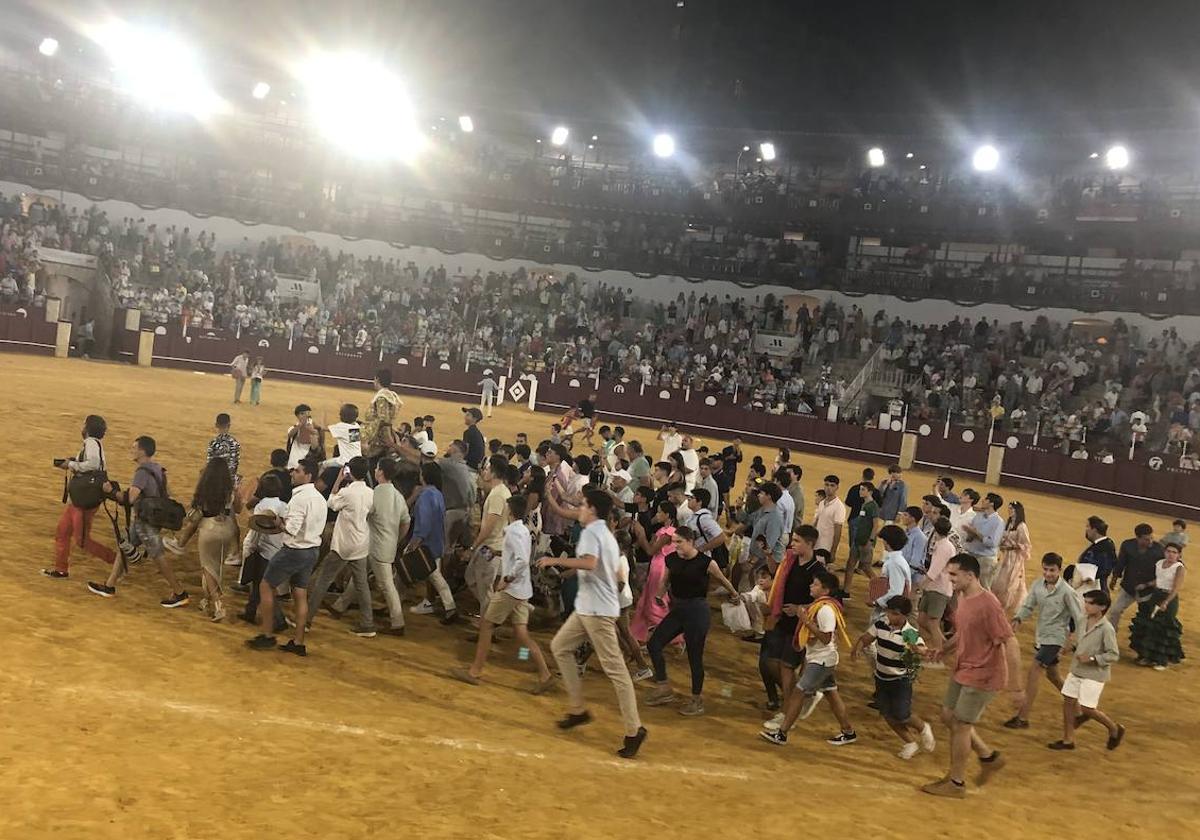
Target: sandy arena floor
121,719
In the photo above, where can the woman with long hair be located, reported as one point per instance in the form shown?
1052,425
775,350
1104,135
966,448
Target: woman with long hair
650,610
1015,550
75,523
217,531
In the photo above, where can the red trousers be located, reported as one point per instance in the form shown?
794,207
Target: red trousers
76,522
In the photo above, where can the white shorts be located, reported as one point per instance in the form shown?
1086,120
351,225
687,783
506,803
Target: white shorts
1086,691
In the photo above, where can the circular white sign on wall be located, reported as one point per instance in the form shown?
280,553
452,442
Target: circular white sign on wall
313,349
1012,442
710,400
163,331
924,430
664,395
444,366
968,435
264,343
402,361
897,425
574,383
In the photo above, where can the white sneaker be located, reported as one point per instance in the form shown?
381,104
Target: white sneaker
934,666
233,560
643,675
926,738
909,750
810,704
171,545
774,723
423,608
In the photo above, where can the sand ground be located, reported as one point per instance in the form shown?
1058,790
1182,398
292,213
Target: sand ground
121,719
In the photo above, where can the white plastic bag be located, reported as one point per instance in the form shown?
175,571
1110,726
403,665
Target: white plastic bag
736,618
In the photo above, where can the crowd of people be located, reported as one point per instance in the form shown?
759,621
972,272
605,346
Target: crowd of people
622,546
1062,382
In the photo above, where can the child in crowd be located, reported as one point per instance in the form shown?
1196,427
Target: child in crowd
897,662
756,600
258,372
1177,535
821,624
1091,666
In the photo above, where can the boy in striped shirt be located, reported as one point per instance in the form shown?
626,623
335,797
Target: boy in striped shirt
896,641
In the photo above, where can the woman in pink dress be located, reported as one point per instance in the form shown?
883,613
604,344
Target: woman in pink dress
648,612
1015,550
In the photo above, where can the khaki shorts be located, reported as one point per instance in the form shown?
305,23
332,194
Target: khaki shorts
860,557
933,604
502,606
965,702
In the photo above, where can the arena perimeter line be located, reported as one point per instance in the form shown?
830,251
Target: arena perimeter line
231,716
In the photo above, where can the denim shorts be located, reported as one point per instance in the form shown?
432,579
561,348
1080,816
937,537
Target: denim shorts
894,698
1046,655
777,645
291,565
816,678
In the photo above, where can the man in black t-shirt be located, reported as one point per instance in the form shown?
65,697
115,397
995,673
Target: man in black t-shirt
473,438
778,659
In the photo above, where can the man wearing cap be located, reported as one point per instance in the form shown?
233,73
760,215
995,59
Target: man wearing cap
618,483
476,447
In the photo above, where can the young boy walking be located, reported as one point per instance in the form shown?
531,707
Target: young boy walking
897,647
819,625
1095,652
510,601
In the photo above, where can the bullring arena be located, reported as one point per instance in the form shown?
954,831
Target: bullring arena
123,719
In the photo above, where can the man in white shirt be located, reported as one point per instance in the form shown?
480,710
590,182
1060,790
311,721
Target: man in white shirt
348,435
351,498
597,607
830,517
691,460
671,440
513,587
304,437
487,397
962,514
293,563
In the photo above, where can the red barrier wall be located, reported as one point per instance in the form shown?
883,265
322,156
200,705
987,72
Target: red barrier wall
24,329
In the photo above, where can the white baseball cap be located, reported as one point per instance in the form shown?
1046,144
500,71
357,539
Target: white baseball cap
429,448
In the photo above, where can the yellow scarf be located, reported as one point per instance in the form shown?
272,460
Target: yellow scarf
802,631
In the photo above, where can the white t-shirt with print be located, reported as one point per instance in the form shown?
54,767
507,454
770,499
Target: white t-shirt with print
816,652
349,441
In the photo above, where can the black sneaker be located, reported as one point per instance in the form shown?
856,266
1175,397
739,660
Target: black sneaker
633,743
1015,722
573,720
179,599
101,590
841,739
392,631
449,618
261,642
292,647
56,574
774,736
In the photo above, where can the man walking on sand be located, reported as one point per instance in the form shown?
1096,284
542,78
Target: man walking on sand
597,608
987,658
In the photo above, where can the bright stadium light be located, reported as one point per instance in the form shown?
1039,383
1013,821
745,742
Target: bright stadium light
48,47
767,151
663,145
1116,158
986,158
157,68
465,124
361,106
875,157
260,90
559,135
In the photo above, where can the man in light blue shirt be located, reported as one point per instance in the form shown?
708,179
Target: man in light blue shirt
893,495
983,535
914,550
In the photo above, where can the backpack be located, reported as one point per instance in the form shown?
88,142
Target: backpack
160,511
86,490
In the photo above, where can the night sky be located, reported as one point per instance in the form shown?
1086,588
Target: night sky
807,64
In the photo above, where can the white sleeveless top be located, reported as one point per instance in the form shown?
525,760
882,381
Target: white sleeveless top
1164,576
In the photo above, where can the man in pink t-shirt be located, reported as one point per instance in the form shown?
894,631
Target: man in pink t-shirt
987,654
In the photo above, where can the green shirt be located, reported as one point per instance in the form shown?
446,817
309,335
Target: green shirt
862,525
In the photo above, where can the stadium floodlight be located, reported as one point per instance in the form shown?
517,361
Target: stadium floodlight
157,68
986,158
875,157
595,137
260,90
767,150
1094,155
663,145
559,135
48,47
465,124
909,156
361,106
1116,158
